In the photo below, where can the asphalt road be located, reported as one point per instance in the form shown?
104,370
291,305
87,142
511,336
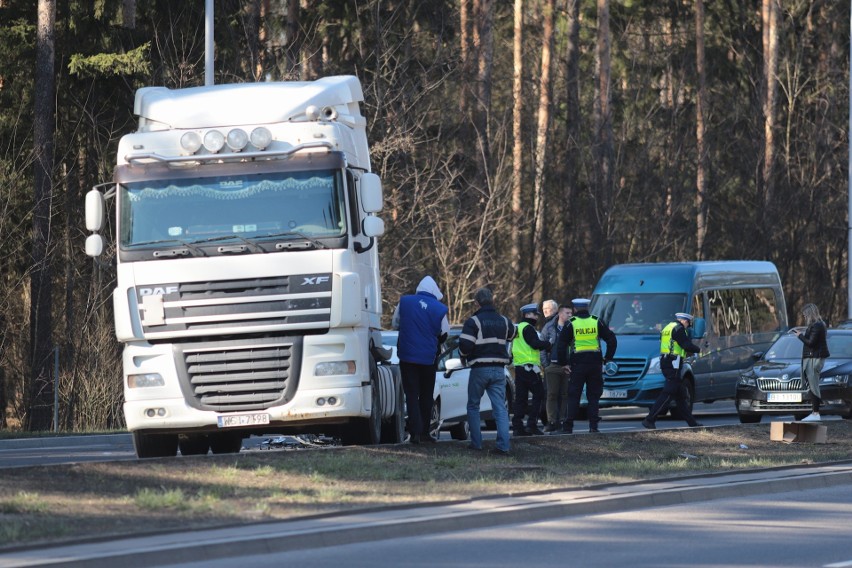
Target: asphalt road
49,451
794,529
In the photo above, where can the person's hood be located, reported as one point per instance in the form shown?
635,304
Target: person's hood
429,286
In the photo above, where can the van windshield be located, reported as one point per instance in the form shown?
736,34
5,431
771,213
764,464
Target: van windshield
637,314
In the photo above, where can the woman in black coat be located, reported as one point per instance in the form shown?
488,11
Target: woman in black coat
814,355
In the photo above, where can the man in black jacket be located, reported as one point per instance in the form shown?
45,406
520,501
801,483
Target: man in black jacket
583,335
484,343
674,345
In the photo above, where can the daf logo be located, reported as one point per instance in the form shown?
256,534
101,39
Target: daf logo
610,369
158,290
314,280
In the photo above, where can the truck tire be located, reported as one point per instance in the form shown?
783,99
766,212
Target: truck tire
366,431
155,445
193,444
393,429
226,443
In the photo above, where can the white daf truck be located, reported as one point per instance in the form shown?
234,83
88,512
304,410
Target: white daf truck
248,297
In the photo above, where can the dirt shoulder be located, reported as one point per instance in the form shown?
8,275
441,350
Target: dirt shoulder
97,500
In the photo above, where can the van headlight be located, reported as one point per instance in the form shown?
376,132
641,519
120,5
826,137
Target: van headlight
654,366
330,368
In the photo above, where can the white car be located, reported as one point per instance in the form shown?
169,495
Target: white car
450,409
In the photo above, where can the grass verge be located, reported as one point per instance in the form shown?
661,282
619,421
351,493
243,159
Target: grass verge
72,502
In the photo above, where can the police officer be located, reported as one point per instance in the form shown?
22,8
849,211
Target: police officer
674,345
583,335
527,359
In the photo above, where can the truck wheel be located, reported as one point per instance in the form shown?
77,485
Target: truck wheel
193,444
226,443
460,431
690,399
366,431
393,429
155,445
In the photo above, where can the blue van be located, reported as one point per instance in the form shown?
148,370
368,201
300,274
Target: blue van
738,307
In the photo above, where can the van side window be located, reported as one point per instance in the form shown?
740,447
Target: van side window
698,306
743,311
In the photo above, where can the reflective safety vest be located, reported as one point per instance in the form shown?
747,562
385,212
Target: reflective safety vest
585,334
669,346
522,353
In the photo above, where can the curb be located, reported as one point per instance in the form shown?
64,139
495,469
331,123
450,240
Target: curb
76,441
356,527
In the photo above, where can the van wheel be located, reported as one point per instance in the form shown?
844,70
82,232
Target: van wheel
690,399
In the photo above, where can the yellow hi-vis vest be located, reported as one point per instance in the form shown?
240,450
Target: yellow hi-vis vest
668,346
585,334
522,353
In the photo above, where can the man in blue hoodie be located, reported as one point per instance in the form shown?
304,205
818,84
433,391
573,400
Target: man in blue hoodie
422,322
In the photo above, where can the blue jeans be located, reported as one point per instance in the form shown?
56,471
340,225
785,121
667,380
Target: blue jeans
491,380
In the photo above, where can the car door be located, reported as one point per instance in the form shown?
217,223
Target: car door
452,390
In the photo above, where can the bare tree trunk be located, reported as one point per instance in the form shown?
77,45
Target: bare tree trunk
40,403
603,133
517,143
484,44
292,37
464,50
128,14
252,25
700,134
572,130
541,143
769,16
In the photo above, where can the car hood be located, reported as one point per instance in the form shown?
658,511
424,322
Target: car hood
772,369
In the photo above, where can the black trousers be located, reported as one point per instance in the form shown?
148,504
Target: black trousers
527,382
673,389
589,375
418,383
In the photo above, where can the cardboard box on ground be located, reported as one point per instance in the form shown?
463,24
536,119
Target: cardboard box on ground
793,432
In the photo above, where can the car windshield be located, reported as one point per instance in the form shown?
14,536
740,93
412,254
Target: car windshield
789,347
637,314
249,206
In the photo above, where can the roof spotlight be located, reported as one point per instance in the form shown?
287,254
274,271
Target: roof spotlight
191,142
237,139
214,141
261,137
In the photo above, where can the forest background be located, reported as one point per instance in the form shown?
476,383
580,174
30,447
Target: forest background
525,144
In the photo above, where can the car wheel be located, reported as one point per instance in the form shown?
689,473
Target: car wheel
435,420
750,418
460,431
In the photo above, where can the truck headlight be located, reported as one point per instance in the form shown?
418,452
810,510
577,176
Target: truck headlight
329,368
145,380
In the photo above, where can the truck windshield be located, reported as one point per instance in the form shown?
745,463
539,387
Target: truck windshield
307,204
637,314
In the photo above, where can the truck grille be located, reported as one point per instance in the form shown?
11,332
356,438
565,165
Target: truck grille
236,306
242,375
629,371
779,385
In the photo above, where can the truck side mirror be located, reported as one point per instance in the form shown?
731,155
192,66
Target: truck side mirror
699,328
94,245
373,226
95,208
371,193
